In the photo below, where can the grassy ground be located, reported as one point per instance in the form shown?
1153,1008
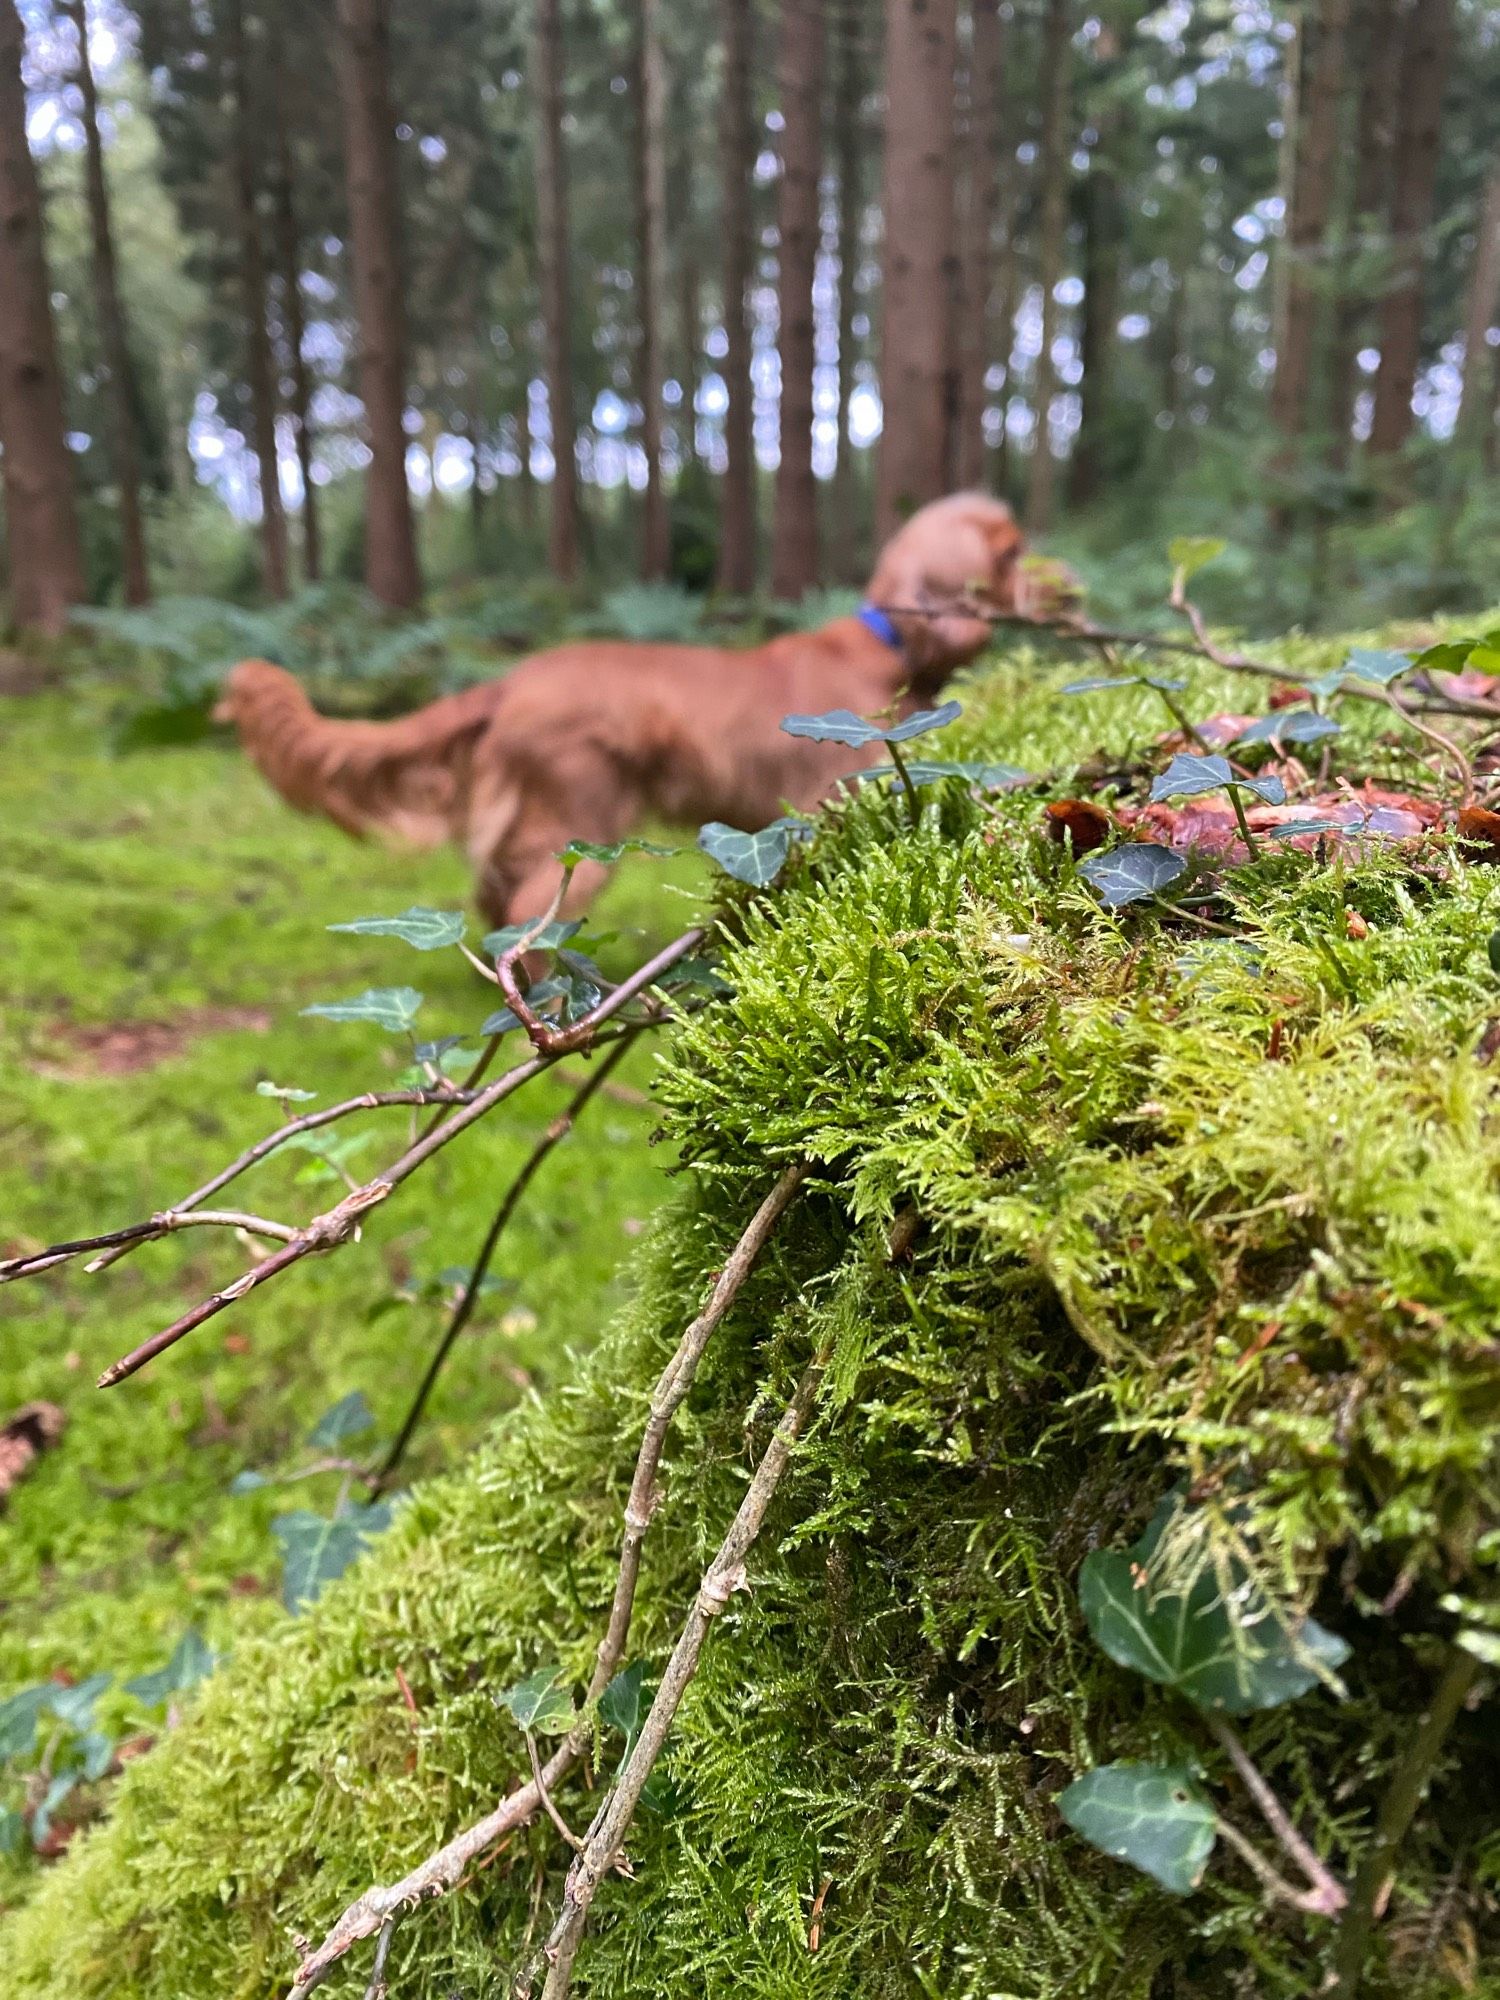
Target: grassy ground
172,889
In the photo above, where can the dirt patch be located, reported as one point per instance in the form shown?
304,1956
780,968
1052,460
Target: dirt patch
122,1048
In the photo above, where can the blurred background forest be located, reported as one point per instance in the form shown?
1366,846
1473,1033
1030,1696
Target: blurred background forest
377,304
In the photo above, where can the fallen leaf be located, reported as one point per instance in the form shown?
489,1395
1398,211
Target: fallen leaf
34,1428
1217,731
1355,925
1479,829
1079,823
1489,1042
236,1343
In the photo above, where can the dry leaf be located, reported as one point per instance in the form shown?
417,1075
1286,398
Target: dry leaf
34,1428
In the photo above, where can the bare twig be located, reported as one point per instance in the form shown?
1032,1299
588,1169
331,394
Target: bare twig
1436,737
448,1866
723,1577
1275,1884
1328,1893
377,1988
165,1224
546,1797
580,1035
1409,1780
558,1130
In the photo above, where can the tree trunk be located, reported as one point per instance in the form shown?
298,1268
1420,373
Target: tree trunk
1474,405
392,574
794,534
848,96
289,253
1424,77
689,276
119,385
1286,176
260,368
46,558
919,260
982,168
1057,55
1305,242
523,450
1104,233
1377,36
737,149
651,165
556,287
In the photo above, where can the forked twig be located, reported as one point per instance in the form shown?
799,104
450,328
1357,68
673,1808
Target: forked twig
444,1869
1327,1894
562,1041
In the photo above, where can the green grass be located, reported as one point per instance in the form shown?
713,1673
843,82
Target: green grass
172,887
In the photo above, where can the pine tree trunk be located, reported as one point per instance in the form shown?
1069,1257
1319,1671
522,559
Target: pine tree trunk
689,275
46,559
651,204
119,374
553,249
1474,406
1293,50
392,574
737,149
800,65
848,96
919,261
260,367
1378,41
289,254
523,450
1057,53
1104,232
1305,242
980,185
1424,77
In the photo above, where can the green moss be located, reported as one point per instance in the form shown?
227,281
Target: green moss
1187,1215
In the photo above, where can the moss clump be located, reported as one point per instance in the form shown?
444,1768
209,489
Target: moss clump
1190,1212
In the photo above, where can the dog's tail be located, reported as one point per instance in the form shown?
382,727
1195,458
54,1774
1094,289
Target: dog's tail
408,779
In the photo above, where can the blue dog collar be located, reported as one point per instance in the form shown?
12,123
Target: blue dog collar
875,620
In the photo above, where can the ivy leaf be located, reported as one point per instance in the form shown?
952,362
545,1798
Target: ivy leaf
539,996
1327,684
284,1093
926,771
1187,775
756,858
96,1752
1290,725
1270,788
1127,874
75,1705
1190,553
56,1793
190,1663
609,851
540,1703
620,1703
248,1481
1221,1642
700,972
1380,668
1289,829
393,1008
1447,657
349,1416
1097,683
422,929
661,1794
842,725
18,1716
315,1549
547,939
1151,1815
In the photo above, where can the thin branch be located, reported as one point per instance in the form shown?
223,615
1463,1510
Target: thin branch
558,1130
1409,1781
1445,744
377,1988
563,1041
546,1797
447,1867
1275,1885
1328,1892
165,1224
724,1576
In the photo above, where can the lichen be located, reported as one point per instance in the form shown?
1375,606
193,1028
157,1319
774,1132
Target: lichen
1191,1213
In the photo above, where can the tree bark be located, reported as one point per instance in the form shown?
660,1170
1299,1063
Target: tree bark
1104,232
1057,63
557,310
260,369
689,275
46,558
848,96
289,254
523,449
919,262
1377,36
1286,175
1305,243
800,66
651,201
979,190
392,574
1474,403
1424,76
114,338
737,149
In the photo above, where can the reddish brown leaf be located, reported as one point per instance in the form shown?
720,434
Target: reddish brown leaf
1479,829
1079,822
1489,1042
1355,926
1214,730
34,1428
1287,696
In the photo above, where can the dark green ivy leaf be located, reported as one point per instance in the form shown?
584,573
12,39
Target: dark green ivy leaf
842,725
422,929
1151,1815
315,1549
1129,874
1290,725
189,1664
393,1008
756,858
349,1416
540,1703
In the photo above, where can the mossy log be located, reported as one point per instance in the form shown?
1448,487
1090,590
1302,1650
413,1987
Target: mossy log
1216,1212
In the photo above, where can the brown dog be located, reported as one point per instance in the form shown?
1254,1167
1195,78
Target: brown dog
587,740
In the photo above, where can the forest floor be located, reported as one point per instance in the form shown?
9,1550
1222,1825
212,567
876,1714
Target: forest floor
164,920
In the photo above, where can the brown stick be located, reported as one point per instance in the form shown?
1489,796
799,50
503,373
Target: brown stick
1328,1894
165,1224
563,1041
445,1869
724,1576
